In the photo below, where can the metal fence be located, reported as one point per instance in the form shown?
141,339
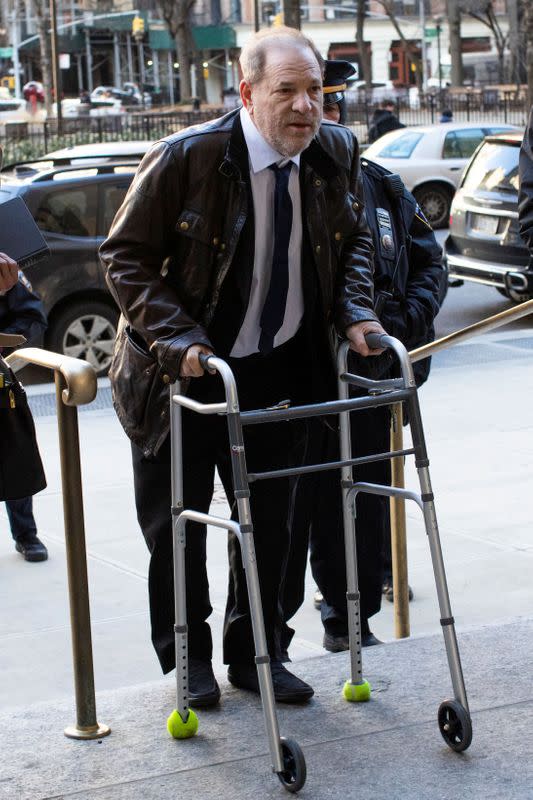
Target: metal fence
29,140
490,106
25,140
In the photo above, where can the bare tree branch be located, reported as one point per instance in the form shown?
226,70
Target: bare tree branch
483,11
408,47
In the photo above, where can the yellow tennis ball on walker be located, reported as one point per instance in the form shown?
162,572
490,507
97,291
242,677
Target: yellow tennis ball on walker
179,729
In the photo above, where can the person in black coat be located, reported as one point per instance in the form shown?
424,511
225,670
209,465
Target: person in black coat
407,276
383,121
21,312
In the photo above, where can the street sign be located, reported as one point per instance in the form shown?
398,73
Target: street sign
430,33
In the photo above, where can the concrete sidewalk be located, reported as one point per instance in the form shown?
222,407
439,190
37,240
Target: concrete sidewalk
387,749
478,425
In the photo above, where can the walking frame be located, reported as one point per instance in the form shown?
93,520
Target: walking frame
286,756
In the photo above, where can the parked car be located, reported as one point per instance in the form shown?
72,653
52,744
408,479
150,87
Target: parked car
100,152
74,200
129,95
484,244
431,159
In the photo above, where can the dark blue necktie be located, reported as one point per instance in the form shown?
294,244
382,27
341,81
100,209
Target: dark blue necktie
274,309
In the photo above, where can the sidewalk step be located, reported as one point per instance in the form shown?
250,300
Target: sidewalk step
389,748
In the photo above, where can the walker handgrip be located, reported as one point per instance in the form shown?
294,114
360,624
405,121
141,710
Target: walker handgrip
203,358
377,341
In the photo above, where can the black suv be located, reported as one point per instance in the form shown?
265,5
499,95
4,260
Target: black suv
484,243
73,200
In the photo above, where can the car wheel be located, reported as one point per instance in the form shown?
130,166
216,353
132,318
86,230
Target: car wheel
86,330
435,201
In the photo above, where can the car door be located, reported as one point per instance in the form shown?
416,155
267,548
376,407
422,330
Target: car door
112,190
66,213
457,148
111,194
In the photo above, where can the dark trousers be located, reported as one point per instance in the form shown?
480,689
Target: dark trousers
318,522
262,381
21,520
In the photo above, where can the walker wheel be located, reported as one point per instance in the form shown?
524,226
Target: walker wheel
455,725
179,729
356,692
294,772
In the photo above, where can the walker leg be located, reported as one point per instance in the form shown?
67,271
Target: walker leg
454,716
357,689
287,758
182,722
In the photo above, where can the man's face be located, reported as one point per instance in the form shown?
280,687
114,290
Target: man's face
286,103
333,112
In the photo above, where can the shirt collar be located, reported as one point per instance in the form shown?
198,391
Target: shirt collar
260,153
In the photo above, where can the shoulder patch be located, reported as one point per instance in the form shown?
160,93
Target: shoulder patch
419,214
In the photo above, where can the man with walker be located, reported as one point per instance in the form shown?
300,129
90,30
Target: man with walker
244,237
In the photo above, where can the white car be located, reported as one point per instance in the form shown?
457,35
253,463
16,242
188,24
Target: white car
430,160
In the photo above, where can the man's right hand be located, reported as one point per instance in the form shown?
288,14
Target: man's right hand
9,272
190,364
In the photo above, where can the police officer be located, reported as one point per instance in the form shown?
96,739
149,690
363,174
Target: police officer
21,312
407,275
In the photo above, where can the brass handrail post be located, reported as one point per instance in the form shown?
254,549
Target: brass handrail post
75,383
86,726
398,531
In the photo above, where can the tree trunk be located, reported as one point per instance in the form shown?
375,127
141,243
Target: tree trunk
456,55
362,50
514,41
43,23
184,60
291,14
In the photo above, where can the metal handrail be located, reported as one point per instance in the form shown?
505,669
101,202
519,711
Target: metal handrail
484,325
75,383
398,520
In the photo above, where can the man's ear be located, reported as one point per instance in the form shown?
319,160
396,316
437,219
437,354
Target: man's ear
245,91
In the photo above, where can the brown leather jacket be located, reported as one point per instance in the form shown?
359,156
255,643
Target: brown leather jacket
174,238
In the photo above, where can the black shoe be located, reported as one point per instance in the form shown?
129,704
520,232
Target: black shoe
369,640
32,549
287,687
336,643
388,590
203,687
317,599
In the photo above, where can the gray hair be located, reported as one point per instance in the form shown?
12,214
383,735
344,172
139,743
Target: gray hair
253,54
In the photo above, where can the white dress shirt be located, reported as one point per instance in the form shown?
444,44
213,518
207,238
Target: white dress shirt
261,155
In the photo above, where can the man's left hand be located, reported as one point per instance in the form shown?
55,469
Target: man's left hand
356,335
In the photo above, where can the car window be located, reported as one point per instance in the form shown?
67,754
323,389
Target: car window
401,147
494,169
111,199
462,143
71,212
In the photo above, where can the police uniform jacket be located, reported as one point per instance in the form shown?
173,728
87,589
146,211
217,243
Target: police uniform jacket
21,312
407,261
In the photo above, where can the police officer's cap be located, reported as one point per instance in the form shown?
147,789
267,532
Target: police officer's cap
336,80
